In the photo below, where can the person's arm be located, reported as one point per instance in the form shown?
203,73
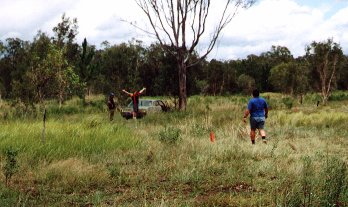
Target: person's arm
126,92
246,114
142,90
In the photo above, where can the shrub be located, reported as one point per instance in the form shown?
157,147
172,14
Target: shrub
307,181
170,135
334,174
11,165
8,197
288,102
338,96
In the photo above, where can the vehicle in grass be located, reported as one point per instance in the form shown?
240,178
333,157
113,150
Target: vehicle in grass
145,106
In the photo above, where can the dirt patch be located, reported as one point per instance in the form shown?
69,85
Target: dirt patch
221,195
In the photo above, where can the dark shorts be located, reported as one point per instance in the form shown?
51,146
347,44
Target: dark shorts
257,122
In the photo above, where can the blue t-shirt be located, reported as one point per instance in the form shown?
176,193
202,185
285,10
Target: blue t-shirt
257,107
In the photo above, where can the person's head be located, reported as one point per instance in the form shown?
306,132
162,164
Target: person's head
256,93
112,95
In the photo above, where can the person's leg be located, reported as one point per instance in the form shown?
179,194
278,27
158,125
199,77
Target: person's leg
260,126
252,136
253,126
262,133
112,112
135,111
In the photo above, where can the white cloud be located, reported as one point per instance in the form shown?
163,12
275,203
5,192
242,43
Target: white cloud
272,22
285,23
269,22
25,18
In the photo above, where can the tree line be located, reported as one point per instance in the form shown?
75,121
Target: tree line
58,67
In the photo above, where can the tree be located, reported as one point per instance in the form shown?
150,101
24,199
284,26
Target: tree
64,36
258,68
120,65
291,78
66,81
342,75
246,83
179,26
14,64
86,68
278,54
2,87
66,57
158,72
323,58
39,75
215,77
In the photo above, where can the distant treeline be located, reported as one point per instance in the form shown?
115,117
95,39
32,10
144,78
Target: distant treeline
59,67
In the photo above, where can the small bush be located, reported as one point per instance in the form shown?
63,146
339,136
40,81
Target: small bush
338,96
312,98
170,135
288,102
114,171
307,181
93,122
334,176
8,197
11,165
199,130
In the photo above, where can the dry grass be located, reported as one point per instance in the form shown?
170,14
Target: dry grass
89,161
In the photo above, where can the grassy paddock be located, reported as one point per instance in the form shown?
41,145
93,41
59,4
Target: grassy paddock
167,159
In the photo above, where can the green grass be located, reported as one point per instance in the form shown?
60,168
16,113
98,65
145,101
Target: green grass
167,159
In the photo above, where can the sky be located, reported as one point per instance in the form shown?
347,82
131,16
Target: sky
290,23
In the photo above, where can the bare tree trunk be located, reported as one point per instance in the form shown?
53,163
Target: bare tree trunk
60,99
89,91
326,84
325,99
43,135
182,86
222,86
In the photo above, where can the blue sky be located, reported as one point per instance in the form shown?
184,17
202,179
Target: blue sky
290,23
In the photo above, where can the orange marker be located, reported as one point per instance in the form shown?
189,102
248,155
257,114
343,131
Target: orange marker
212,136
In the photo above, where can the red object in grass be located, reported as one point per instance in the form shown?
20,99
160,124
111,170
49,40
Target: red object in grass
212,136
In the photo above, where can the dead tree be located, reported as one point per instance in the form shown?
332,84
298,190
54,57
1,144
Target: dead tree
179,25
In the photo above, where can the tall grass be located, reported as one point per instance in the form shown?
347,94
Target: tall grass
167,159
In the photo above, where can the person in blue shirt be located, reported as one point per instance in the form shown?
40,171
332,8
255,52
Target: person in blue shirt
258,110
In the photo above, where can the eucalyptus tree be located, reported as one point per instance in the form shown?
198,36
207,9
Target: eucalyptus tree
215,77
342,75
246,83
120,66
324,58
291,78
40,74
179,26
65,33
158,72
2,87
14,63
